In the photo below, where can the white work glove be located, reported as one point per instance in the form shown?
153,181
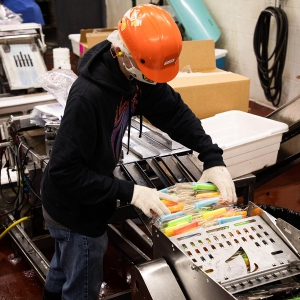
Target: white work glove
220,177
148,200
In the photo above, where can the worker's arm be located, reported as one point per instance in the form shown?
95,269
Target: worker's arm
165,109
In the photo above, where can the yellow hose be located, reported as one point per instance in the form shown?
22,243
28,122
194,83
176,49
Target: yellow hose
13,225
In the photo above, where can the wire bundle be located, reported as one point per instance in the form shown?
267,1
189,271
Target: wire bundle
270,67
24,190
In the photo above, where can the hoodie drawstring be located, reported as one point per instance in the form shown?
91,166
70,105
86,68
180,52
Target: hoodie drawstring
141,120
129,126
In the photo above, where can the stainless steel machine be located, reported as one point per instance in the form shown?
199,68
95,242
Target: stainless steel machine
205,264
22,49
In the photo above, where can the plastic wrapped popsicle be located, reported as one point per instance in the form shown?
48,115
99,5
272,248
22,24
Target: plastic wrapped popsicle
169,217
205,186
214,213
206,195
176,208
181,228
169,202
198,204
207,202
176,222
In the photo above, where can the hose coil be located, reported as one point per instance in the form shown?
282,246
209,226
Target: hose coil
270,67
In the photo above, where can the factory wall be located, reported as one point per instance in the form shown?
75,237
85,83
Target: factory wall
116,8
237,20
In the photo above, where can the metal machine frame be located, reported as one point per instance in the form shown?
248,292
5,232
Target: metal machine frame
168,260
178,164
172,261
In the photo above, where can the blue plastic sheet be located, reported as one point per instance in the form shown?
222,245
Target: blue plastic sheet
30,10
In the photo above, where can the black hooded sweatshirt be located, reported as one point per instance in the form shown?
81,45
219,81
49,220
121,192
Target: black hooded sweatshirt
79,190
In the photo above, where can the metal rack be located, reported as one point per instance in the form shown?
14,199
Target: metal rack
208,260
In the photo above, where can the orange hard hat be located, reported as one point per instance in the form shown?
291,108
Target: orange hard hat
154,41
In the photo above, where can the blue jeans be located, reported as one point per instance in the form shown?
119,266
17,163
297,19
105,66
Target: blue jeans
76,269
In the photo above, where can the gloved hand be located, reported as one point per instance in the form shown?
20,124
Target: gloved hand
148,200
220,177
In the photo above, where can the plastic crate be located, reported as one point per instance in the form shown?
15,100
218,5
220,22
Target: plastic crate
221,58
249,142
75,40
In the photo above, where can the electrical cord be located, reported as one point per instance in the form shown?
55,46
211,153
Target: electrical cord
12,226
10,183
24,183
27,182
20,166
8,174
12,211
270,67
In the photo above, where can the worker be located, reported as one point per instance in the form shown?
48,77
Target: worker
123,76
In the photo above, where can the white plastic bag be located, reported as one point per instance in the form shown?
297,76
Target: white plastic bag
58,83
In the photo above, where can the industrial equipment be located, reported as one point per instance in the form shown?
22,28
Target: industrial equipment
171,163
209,261
175,269
22,49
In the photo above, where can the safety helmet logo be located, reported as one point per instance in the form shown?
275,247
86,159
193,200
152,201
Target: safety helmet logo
123,24
169,61
134,18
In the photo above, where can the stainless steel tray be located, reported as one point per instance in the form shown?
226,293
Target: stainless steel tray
218,252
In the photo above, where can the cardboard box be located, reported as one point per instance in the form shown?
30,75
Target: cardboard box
209,90
91,37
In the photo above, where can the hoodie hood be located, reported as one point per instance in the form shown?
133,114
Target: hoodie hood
99,66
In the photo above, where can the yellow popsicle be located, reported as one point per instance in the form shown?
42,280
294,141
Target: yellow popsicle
214,213
236,213
169,231
207,195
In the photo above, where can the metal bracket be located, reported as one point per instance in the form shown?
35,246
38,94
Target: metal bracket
6,48
33,47
292,233
254,210
154,280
